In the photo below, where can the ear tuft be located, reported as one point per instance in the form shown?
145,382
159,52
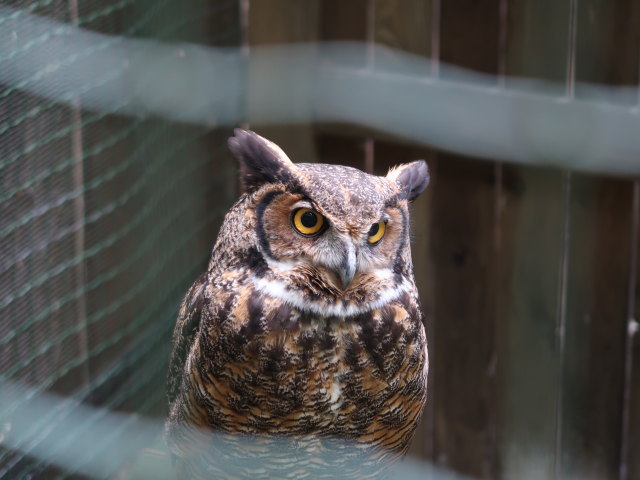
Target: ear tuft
412,178
261,161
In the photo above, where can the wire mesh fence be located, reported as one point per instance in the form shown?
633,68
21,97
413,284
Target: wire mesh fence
104,221
110,200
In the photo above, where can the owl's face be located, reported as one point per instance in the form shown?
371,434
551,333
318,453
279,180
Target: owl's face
331,230
342,224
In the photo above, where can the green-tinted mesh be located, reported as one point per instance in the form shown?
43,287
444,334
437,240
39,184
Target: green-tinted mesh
105,220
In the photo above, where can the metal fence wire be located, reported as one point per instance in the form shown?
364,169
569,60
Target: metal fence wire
104,221
114,175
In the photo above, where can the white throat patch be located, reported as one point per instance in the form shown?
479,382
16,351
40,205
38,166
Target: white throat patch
278,289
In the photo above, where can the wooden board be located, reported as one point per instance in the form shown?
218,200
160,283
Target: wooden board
590,423
340,20
470,33
631,465
596,312
463,354
282,22
608,42
341,150
345,21
630,460
532,308
528,313
465,256
537,41
402,25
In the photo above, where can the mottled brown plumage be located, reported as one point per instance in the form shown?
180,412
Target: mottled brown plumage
312,345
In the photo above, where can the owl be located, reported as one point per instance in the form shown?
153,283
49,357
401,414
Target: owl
301,351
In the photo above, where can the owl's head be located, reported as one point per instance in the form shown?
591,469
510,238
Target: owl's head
326,233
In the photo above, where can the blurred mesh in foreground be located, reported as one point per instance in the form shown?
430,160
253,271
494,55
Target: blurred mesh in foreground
527,261
104,221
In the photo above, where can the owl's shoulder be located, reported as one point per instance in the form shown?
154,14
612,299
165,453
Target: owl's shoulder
186,327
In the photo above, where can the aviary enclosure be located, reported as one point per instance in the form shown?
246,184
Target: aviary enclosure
527,263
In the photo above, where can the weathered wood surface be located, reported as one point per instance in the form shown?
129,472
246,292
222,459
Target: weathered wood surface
630,460
536,227
274,23
464,228
525,272
599,250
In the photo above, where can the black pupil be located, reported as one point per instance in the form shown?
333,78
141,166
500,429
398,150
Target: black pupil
374,229
309,219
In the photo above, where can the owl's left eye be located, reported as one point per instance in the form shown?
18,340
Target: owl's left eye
376,232
307,222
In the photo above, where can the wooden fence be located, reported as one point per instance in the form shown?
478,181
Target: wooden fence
528,275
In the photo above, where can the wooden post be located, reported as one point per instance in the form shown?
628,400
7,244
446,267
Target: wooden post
606,52
535,223
630,441
282,22
465,257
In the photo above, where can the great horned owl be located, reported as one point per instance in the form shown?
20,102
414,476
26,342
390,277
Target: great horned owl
305,332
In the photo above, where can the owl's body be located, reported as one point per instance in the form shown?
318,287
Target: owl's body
305,336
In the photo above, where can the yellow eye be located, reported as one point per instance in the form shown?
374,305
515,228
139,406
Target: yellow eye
307,222
376,232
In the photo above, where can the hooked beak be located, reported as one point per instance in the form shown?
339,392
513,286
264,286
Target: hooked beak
348,265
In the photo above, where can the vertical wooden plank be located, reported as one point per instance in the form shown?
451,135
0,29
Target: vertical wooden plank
464,254
344,21
341,150
608,43
630,461
469,34
537,45
599,256
535,225
631,465
593,376
282,22
404,26
464,356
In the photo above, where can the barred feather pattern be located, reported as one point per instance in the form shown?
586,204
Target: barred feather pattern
281,370
319,397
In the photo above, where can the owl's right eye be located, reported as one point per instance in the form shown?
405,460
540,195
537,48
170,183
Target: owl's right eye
307,222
